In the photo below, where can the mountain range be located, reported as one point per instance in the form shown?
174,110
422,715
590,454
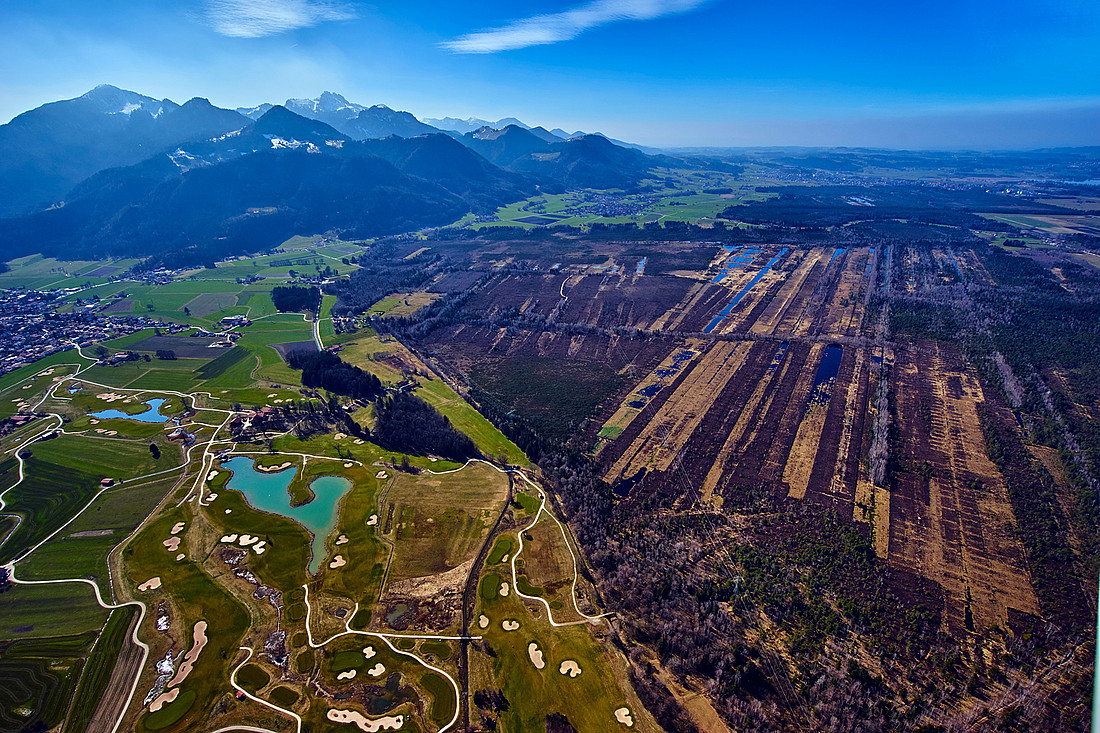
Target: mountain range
114,172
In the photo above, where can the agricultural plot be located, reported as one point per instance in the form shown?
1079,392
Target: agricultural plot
399,305
438,523
950,517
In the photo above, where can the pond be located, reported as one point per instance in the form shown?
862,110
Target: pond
744,291
268,492
153,414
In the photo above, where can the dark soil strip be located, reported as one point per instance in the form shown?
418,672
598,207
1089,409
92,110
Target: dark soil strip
702,448
705,309
751,464
821,476
797,302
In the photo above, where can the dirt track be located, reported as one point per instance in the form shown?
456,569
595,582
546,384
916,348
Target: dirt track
117,694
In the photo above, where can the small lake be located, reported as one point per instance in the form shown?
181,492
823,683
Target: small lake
153,414
268,493
744,291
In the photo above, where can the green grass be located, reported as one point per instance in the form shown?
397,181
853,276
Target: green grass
523,586
502,547
348,659
488,439
53,609
207,303
49,496
16,377
252,677
222,364
172,712
490,586
439,649
107,456
120,510
283,696
534,693
384,306
443,697
304,662
529,503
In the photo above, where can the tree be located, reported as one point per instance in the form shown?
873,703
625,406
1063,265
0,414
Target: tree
166,354
101,351
154,450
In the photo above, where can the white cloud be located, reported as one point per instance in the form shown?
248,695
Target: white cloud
256,18
555,27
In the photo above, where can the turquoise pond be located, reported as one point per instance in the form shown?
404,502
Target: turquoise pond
268,493
153,414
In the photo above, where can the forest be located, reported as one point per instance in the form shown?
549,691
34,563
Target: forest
291,298
325,370
406,423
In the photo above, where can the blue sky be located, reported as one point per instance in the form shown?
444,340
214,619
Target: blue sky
925,73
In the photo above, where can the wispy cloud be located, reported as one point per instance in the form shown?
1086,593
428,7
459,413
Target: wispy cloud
554,27
256,18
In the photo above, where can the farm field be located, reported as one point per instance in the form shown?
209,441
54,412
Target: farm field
820,467
812,383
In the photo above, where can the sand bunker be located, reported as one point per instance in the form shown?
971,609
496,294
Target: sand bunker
247,539
341,540
348,465
272,469
210,476
163,699
260,547
358,442
368,651
192,656
381,474
623,716
181,556
373,520
172,543
178,527
392,722
570,668
111,432
377,670
339,436
504,589
349,675
535,653
212,497
231,538
483,621
337,562
228,511
509,625
93,421
151,584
